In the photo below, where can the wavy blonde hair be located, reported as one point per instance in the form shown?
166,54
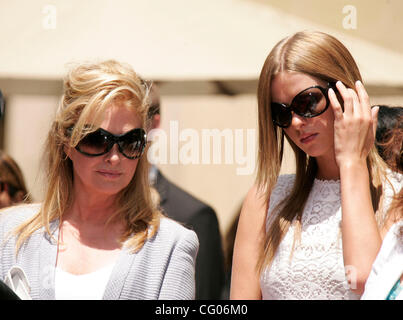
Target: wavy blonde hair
322,56
89,88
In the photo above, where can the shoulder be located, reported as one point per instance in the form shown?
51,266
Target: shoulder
282,188
10,219
172,233
256,199
13,216
172,229
253,213
285,181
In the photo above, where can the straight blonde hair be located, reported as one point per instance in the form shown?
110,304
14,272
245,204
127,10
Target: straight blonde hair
322,56
89,88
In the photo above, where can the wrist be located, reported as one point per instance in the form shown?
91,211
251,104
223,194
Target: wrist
353,164
354,170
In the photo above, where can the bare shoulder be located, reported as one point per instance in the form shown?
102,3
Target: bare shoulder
255,202
251,226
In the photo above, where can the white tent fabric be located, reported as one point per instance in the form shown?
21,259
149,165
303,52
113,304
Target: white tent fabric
165,40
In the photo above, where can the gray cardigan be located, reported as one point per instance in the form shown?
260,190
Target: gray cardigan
162,269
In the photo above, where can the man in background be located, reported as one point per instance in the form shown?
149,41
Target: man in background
181,206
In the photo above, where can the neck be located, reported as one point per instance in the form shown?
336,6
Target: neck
89,208
327,168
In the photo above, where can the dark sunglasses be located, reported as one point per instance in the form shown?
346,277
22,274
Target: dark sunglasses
131,144
310,102
9,188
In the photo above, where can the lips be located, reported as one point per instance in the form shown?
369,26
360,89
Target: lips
109,173
306,138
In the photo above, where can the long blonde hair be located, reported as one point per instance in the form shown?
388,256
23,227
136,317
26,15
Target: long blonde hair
88,90
324,57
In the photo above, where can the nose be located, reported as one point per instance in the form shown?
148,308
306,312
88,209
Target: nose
114,155
297,120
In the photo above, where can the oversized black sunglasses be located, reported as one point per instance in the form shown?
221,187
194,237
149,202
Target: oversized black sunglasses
310,102
131,144
9,188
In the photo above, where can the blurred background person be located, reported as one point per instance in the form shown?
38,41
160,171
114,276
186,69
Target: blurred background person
385,281
389,118
1,104
13,189
181,206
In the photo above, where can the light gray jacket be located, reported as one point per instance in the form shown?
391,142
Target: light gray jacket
162,269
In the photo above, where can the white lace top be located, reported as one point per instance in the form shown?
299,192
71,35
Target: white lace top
316,269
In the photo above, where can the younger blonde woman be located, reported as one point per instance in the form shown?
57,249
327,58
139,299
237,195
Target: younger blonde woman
98,234
312,235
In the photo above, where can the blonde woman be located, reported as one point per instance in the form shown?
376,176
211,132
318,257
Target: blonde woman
312,235
12,184
98,233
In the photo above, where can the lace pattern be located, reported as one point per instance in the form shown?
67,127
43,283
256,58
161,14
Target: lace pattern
316,269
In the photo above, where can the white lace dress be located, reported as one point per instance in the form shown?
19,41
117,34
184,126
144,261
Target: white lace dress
316,269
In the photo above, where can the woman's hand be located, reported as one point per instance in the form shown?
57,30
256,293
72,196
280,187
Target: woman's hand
354,135
355,128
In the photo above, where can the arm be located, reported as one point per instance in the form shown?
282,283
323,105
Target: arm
354,132
245,279
179,278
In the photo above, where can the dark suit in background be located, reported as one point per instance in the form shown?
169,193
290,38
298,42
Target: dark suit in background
6,293
196,215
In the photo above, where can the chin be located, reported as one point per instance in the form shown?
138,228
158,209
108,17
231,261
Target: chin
109,190
313,152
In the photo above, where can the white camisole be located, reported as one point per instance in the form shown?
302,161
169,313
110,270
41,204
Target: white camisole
89,286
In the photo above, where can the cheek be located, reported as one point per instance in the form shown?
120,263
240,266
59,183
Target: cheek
130,167
5,200
81,166
292,134
325,124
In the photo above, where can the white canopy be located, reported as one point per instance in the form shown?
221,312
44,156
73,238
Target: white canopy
166,39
